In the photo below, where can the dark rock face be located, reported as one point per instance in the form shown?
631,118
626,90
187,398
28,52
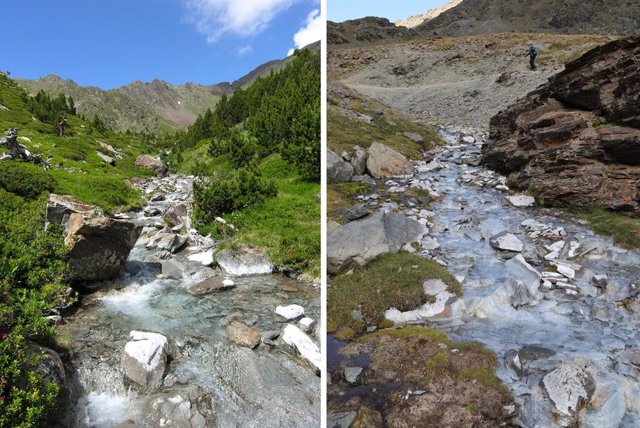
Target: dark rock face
99,246
576,140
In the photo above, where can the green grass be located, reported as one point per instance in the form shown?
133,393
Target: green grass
344,132
76,168
485,376
391,280
341,196
624,230
287,227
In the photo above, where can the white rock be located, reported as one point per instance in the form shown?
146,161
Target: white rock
566,271
521,200
506,241
429,243
290,312
228,283
567,386
307,324
469,139
296,338
144,358
205,258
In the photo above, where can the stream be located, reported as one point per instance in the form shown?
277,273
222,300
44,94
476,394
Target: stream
210,381
575,333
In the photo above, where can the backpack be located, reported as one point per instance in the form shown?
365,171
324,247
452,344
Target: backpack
534,51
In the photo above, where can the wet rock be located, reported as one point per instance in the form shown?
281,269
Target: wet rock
186,407
521,201
351,374
354,213
607,414
171,269
172,242
176,215
205,258
145,358
307,324
526,281
290,312
244,261
630,357
295,338
569,386
152,211
338,170
468,139
507,242
341,420
359,161
384,162
362,240
152,163
99,246
211,285
243,335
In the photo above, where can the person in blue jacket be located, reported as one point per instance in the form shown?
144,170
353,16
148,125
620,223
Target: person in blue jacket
533,53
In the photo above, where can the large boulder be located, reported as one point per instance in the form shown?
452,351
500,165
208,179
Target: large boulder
60,208
152,163
575,141
99,246
145,358
338,170
362,240
384,162
244,261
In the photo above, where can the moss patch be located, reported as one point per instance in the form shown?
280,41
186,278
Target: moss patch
624,230
391,280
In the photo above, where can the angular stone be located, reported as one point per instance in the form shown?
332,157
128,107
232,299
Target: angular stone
359,161
210,285
145,358
294,337
521,200
351,374
244,261
290,312
568,386
506,241
356,212
205,258
384,162
243,335
338,170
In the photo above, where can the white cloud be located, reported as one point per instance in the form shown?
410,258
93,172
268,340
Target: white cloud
311,32
214,18
245,50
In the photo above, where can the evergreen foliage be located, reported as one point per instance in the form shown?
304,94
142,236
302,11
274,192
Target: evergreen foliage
48,109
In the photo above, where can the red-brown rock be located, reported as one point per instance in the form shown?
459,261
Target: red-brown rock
575,141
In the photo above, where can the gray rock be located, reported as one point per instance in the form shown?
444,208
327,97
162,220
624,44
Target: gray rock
521,200
211,285
144,358
60,208
351,374
341,420
170,269
244,261
107,159
338,170
384,162
568,386
416,138
362,240
507,242
176,215
364,179
359,160
356,212
526,281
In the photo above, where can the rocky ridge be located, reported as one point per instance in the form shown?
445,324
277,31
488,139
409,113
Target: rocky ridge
575,141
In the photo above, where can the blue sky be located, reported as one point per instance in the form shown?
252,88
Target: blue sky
109,43
342,10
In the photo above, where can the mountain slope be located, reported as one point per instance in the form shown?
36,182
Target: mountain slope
473,17
415,20
152,107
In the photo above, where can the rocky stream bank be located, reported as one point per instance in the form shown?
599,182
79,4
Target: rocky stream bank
190,333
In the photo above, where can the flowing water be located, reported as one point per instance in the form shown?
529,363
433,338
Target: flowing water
585,323
227,384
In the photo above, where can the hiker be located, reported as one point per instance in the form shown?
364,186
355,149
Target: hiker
60,126
533,53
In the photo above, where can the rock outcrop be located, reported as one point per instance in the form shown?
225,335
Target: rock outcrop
154,164
575,141
99,245
384,162
362,240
